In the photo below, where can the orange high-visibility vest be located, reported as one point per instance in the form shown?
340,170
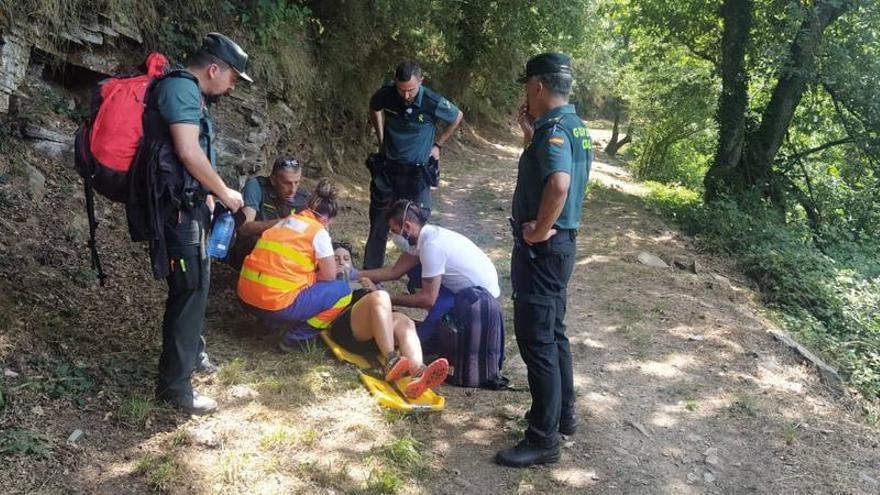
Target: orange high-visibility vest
282,264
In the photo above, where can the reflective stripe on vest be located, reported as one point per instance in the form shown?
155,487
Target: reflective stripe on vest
325,318
288,252
282,263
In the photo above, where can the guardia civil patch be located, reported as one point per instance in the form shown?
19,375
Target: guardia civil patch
557,140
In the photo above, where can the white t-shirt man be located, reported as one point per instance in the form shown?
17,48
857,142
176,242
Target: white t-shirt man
454,257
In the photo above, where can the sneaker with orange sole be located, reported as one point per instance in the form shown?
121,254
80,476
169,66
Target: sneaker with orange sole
396,368
434,374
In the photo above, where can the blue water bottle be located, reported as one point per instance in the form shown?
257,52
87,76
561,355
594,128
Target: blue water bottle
221,236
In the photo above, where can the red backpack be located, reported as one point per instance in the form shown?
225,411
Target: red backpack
106,144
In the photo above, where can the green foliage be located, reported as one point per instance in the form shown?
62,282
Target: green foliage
470,51
68,380
22,441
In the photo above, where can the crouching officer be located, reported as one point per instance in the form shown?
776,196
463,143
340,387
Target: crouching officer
404,115
178,161
550,184
267,200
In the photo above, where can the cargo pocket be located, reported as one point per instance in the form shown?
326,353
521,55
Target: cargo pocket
186,268
534,316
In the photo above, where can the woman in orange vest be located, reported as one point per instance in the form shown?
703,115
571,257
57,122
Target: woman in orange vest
290,277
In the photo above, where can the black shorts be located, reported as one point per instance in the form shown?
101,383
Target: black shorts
341,333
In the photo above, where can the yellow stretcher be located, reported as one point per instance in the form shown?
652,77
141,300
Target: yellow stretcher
387,394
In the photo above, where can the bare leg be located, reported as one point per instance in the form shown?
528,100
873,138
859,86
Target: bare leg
408,340
371,320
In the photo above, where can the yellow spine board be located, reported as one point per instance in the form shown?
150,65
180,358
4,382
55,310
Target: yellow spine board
387,395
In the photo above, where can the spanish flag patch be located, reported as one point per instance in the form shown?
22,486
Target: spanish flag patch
557,140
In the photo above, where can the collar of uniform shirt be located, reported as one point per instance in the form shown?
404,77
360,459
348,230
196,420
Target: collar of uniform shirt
417,101
567,108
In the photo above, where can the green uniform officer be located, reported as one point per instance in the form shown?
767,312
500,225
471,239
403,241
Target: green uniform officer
267,200
179,155
405,115
547,203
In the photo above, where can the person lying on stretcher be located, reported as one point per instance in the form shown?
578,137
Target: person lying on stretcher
369,327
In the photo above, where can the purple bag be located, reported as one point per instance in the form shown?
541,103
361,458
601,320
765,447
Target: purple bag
471,337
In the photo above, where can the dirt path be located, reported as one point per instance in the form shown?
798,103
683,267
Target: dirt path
680,388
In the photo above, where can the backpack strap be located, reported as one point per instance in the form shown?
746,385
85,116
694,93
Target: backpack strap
93,227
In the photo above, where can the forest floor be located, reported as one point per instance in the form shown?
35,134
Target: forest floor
681,389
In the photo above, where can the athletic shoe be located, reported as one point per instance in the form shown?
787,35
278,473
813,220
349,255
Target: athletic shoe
396,368
432,375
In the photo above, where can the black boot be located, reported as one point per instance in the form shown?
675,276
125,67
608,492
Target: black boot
524,454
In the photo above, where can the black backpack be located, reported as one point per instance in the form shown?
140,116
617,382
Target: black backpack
472,339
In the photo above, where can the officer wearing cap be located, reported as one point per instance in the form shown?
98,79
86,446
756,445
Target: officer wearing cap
178,148
404,115
551,180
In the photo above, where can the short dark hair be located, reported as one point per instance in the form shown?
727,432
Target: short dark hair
558,83
406,70
409,208
286,163
202,59
344,245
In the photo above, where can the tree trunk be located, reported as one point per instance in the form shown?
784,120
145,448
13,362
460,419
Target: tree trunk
724,174
616,143
759,148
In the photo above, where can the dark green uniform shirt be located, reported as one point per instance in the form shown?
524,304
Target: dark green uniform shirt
409,129
180,102
259,195
561,144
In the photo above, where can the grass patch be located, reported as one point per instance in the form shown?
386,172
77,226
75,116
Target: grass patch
279,439
135,411
629,311
382,482
744,406
691,405
638,336
286,391
162,471
789,433
308,437
404,454
233,372
22,441
181,438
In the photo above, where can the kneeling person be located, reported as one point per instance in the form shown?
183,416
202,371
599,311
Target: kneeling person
290,277
267,200
450,263
369,327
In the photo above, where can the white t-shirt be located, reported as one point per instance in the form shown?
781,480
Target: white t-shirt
322,244
458,260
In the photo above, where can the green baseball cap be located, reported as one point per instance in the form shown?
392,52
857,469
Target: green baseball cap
546,63
225,49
